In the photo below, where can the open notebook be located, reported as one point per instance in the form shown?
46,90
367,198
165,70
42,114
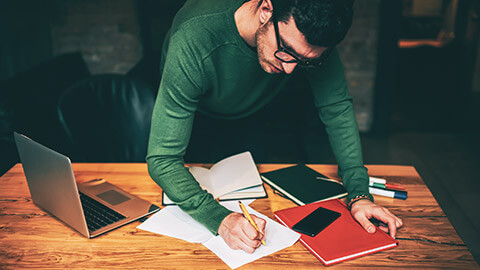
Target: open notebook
232,178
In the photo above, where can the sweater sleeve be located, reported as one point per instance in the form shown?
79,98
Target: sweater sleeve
172,120
334,106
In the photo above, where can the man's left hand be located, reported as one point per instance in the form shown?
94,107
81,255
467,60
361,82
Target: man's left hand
364,210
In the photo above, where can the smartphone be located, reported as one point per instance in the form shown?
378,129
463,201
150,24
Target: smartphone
316,221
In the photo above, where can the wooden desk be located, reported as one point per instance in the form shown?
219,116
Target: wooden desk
30,238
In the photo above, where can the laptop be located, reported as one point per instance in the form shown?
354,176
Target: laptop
91,208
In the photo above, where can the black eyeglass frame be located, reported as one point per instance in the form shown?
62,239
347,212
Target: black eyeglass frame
302,63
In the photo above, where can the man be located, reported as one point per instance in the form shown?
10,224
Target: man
228,59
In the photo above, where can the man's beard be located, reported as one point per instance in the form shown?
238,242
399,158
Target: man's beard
260,40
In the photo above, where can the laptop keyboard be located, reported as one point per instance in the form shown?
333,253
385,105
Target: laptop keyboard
97,214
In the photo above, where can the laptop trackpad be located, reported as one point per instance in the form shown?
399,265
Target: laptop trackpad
113,197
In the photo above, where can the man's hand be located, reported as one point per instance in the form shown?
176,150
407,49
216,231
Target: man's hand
238,233
363,210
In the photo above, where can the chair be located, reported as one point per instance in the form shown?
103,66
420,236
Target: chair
107,118
28,104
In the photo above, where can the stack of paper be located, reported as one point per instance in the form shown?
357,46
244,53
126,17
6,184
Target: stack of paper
172,221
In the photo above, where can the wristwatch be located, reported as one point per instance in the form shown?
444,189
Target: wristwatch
358,198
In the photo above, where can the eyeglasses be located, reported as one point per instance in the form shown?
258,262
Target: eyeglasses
285,56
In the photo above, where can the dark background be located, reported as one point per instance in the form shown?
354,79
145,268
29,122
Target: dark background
413,68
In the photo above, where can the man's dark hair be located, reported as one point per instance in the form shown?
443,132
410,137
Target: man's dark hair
324,23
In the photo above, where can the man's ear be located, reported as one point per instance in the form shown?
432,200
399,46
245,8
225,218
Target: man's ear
266,9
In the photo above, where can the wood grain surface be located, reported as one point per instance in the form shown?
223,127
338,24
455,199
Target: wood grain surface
31,238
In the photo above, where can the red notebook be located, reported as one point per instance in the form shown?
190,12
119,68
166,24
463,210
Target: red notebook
342,240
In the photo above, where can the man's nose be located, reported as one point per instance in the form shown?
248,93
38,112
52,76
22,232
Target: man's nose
289,67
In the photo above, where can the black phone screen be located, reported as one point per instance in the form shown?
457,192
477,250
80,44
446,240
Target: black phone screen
316,221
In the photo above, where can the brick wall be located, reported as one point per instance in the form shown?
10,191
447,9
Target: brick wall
105,31
107,34
359,55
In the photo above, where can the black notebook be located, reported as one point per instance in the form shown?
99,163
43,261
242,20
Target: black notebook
302,184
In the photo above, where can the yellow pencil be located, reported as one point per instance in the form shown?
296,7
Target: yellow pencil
247,215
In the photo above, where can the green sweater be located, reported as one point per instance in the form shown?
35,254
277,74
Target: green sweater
207,66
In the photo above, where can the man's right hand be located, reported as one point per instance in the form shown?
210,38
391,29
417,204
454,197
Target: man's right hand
238,233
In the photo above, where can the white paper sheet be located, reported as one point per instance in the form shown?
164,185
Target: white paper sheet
172,221
277,237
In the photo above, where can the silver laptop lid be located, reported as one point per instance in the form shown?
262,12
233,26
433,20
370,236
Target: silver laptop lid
51,182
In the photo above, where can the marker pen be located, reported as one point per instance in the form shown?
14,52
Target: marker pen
389,193
377,180
388,186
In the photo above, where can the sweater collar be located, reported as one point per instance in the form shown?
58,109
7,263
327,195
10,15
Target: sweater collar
244,47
